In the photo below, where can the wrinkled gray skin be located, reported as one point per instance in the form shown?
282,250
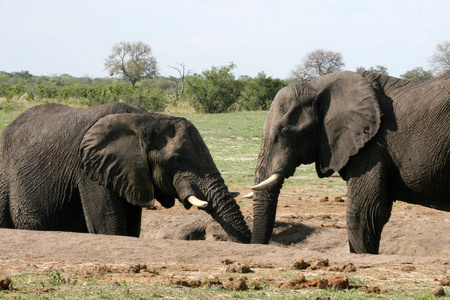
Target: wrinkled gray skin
388,139
92,170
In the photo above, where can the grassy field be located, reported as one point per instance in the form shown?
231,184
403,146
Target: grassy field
234,140
53,285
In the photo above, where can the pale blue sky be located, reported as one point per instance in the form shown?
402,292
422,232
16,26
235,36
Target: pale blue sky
75,36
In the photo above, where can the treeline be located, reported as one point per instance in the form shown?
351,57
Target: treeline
213,91
152,94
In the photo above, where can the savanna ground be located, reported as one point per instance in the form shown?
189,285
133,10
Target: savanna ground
184,254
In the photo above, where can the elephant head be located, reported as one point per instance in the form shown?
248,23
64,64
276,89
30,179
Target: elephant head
325,121
142,157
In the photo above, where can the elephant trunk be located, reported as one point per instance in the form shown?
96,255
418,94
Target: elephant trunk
224,209
264,206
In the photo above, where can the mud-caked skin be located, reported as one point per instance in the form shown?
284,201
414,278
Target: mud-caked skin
93,169
387,137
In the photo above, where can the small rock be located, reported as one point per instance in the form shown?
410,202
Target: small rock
4,283
257,285
213,281
318,283
301,264
373,290
338,282
319,264
294,284
239,269
236,284
438,291
339,199
195,283
227,261
182,283
137,268
349,267
445,281
407,269
324,199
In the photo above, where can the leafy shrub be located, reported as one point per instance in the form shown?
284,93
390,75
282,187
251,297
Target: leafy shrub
258,93
216,91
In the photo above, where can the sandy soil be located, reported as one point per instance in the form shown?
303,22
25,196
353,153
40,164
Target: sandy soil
187,245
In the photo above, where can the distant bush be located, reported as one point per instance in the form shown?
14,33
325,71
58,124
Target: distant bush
85,91
259,92
214,92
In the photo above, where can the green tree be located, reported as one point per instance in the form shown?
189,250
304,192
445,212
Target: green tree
258,93
417,74
216,92
133,60
377,69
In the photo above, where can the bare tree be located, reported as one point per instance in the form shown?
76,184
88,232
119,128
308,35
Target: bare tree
183,74
133,60
317,63
440,61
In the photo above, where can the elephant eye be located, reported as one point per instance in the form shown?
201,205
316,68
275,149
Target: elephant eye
285,132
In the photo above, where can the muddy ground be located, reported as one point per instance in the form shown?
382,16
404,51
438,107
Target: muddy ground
179,246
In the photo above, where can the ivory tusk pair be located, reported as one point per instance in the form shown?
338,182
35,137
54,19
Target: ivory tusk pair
197,202
266,184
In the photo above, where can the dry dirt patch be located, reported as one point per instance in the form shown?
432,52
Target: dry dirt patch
185,247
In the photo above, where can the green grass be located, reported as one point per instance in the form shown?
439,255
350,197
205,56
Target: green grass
72,285
234,142
5,119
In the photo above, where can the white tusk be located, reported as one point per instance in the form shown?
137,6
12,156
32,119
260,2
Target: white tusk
269,183
249,195
197,202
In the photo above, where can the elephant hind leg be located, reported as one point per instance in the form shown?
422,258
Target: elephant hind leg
5,215
368,209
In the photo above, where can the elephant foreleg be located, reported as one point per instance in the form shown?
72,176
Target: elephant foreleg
105,212
368,209
134,216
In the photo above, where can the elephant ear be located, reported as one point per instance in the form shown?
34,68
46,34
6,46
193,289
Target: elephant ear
114,155
350,116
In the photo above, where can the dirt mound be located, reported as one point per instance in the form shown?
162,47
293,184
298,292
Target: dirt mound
180,247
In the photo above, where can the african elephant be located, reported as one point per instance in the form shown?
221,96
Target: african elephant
388,138
92,170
